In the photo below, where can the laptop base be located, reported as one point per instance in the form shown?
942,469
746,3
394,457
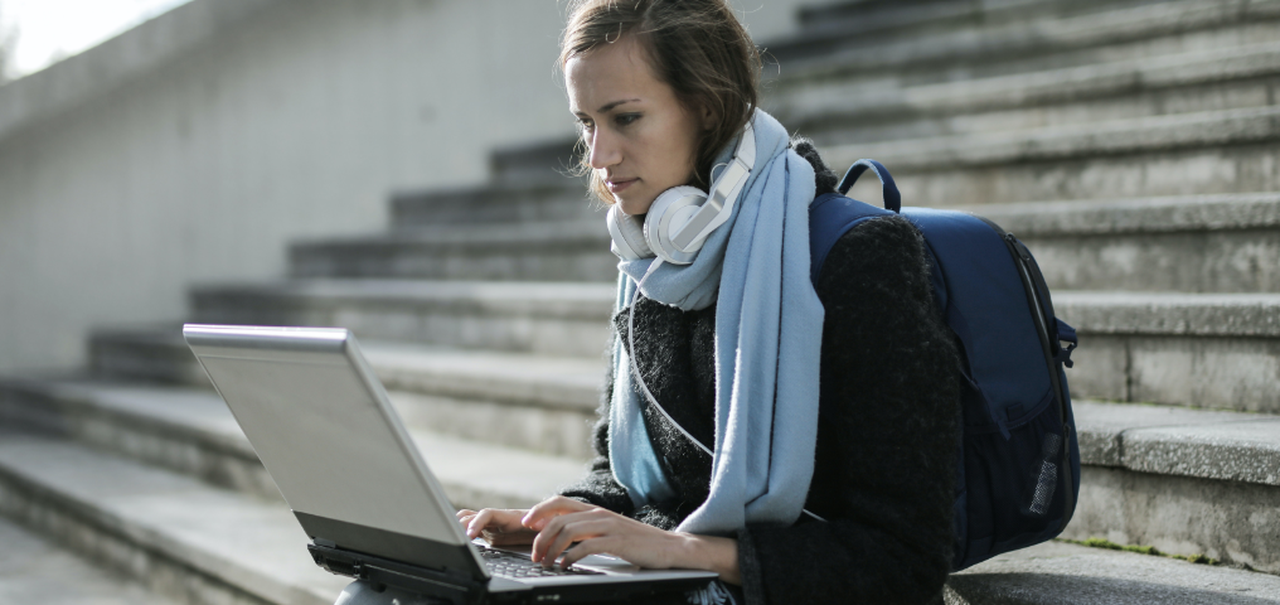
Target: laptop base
454,589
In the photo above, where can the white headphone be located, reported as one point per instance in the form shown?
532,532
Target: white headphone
681,218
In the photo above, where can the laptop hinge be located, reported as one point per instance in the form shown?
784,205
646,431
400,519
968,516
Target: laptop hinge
450,587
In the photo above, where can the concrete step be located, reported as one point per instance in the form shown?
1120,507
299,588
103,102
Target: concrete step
191,432
1208,127
532,402
1202,350
893,17
553,199
535,402
153,353
1172,441
1185,481
531,251
1055,573
197,417
540,163
1226,456
185,430
35,570
1199,243
1215,350
977,47
1215,152
826,24
180,537
555,318
827,27
867,109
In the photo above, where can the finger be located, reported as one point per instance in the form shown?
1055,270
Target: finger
479,522
564,530
465,512
500,526
538,516
578,531
592,546
548,528
545,538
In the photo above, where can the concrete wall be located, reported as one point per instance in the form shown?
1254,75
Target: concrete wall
194,147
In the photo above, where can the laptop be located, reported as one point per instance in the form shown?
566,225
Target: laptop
324,428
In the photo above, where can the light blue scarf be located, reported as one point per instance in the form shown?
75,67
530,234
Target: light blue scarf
767,350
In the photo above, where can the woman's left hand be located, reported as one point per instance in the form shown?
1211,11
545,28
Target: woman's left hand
560,522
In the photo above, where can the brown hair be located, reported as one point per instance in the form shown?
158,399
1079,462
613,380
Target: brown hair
697,47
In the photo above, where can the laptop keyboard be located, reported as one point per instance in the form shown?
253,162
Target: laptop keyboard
512,565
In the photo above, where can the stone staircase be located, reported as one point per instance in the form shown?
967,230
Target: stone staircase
1132,144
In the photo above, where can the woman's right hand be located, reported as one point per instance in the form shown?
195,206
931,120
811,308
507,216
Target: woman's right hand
498,526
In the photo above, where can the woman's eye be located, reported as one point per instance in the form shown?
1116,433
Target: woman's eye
626,119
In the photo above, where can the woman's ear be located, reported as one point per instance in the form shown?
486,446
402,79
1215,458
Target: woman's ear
708,117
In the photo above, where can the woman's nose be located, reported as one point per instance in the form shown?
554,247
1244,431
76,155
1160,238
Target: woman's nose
604,150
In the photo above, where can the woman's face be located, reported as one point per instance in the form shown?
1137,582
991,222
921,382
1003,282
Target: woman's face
642,140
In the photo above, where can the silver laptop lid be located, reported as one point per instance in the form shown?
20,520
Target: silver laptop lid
323,426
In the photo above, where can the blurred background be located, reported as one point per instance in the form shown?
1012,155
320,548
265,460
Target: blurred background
142,150
56,29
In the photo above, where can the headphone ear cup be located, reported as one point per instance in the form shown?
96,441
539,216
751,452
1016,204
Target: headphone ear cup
628,236
673,208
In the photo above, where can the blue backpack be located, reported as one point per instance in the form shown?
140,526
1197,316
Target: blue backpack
1019,469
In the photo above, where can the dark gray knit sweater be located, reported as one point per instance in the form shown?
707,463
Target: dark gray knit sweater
887,437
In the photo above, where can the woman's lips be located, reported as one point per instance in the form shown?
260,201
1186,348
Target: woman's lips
619,185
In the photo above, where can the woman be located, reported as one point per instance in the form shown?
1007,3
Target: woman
856,396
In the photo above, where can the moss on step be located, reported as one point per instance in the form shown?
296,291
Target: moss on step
1143,550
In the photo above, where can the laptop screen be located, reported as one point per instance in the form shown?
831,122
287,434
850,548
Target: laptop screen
324,428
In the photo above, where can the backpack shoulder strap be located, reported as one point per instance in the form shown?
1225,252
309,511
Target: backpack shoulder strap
831,215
